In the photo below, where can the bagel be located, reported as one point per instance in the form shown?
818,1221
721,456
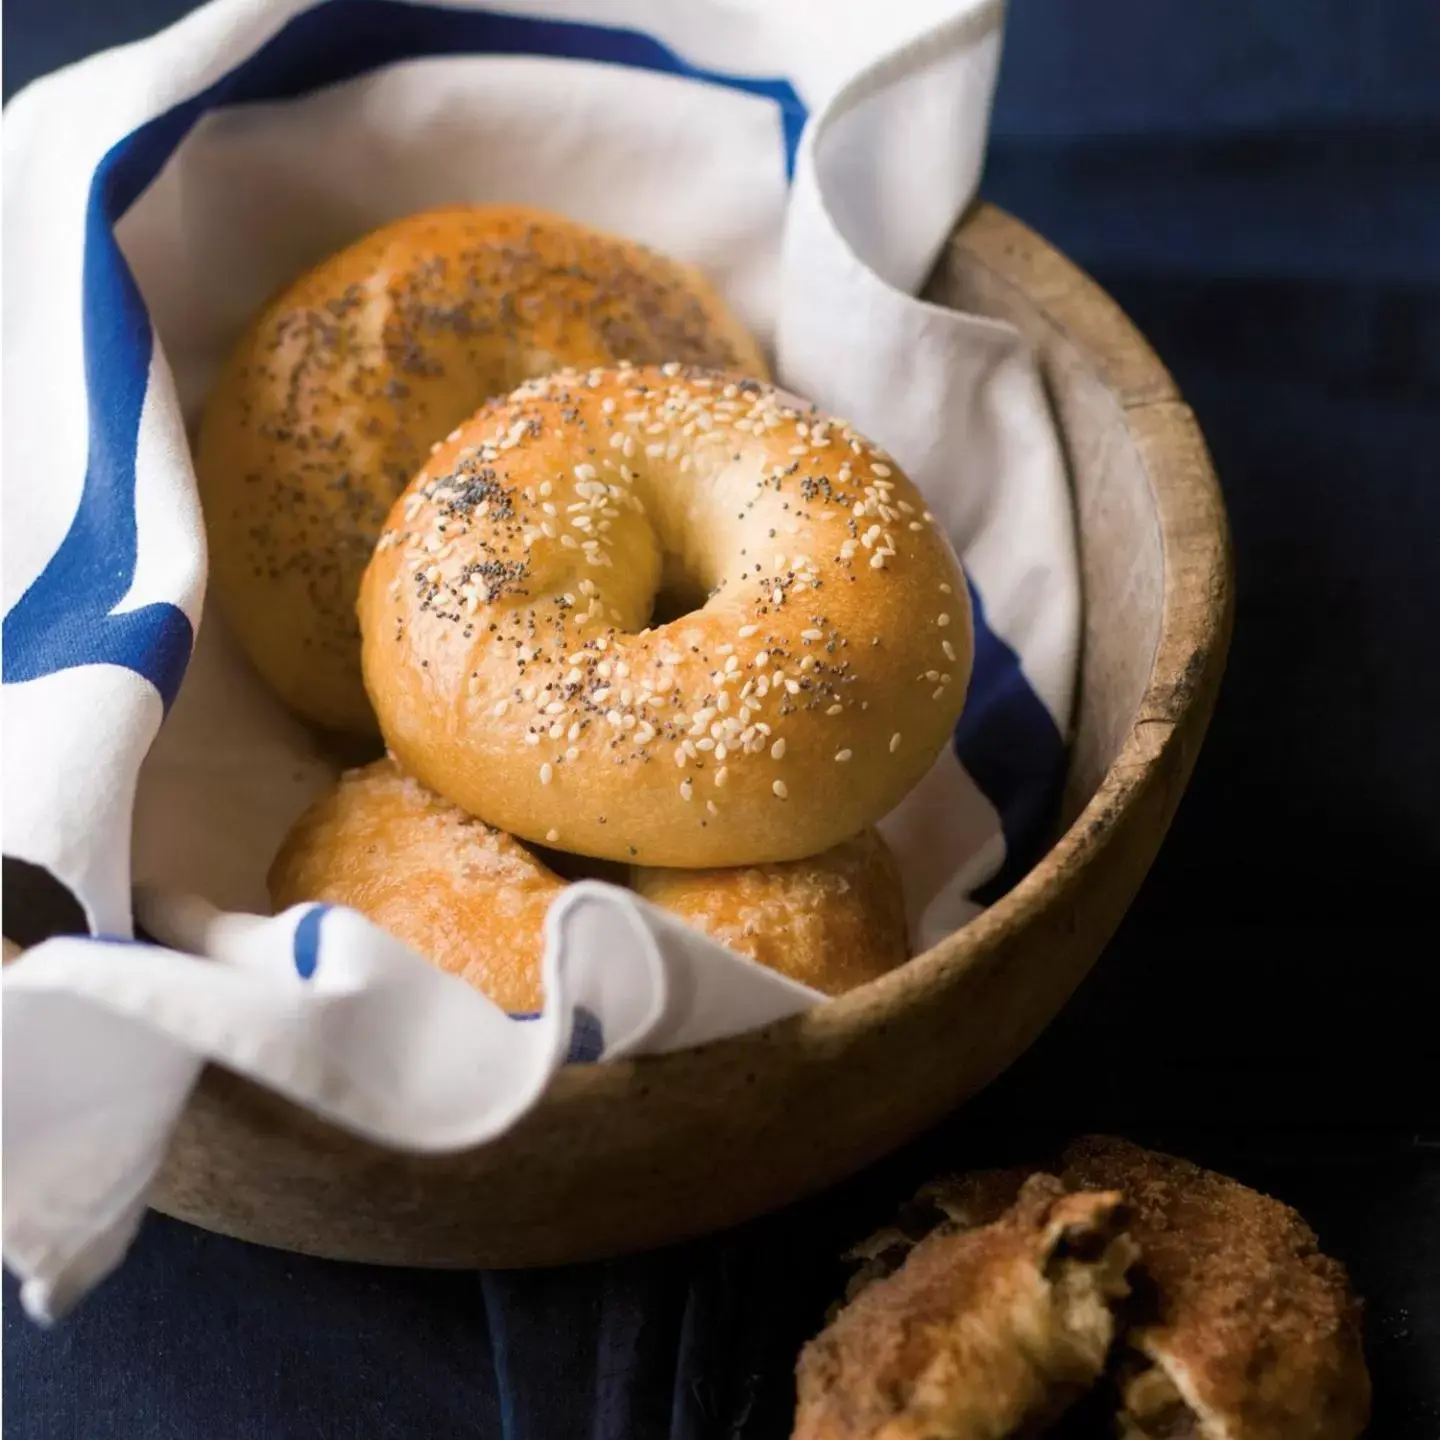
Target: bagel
472,899
337,390
1250,1329
832,923
982,1334
518,658
1238,1326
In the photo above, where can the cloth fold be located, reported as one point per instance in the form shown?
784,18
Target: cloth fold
813,164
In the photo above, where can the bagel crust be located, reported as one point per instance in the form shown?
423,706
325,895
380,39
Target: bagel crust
466,896
832,922
1242,1330
472,899
333,397
819,664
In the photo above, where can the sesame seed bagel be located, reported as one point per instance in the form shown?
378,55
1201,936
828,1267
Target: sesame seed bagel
473,900
517,656
336,392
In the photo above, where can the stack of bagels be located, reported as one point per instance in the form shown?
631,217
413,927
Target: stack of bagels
515,504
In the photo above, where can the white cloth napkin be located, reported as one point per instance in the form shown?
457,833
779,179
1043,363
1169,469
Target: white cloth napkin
812,158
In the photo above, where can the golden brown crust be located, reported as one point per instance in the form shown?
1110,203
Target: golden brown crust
466,896
1256,1330
981,1334
335,394
831,922
1252,1334
473,899
820,665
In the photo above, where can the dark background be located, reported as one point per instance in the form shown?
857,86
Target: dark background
1259,185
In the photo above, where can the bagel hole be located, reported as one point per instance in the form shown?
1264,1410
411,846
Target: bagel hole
678,596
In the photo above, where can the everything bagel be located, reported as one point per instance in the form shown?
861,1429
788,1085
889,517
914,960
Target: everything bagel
334,395
473,899
516,649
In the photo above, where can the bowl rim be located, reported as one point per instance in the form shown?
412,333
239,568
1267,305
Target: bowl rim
248,1162
1197,615
1196,620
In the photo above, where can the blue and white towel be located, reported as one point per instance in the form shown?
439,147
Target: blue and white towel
812,158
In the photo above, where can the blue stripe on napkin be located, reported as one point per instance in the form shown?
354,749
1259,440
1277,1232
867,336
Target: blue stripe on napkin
1011,748
305,946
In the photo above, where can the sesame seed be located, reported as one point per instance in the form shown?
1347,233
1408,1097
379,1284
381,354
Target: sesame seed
681,759
945,589
686,789
834,709
843,755
777,750
712,807
547,773
877,561
894,742
942,619
781,790
948,648
880,470
552,836
722,775
501,706
746,631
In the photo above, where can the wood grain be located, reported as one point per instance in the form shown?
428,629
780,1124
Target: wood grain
634,1154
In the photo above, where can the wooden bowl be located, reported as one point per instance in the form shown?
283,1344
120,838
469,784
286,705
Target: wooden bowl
630,1155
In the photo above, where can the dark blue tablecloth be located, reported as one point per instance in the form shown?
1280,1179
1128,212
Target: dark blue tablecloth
1259,184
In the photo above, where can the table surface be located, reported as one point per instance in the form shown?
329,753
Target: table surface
1259,185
